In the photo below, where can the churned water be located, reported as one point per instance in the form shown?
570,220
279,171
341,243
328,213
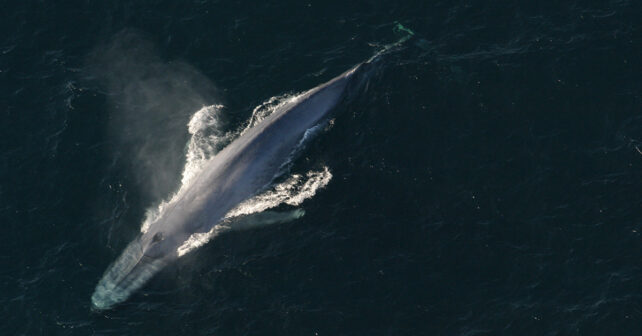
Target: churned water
485,179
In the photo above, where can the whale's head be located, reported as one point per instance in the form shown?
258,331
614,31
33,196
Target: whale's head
142,258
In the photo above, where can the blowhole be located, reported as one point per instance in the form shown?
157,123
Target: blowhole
157,237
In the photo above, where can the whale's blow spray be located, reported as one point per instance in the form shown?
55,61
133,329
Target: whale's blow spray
150,101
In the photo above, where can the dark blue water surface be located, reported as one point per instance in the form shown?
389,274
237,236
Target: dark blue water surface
486,181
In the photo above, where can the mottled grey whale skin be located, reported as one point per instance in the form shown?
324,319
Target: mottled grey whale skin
233,175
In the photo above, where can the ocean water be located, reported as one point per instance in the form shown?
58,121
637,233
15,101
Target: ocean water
485,179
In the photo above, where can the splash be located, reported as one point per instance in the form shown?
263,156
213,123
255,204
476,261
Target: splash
296,189
207,139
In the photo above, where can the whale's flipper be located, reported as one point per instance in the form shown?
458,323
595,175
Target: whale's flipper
261,219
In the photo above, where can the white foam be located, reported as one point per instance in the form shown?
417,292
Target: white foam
197,240
205,140
292,191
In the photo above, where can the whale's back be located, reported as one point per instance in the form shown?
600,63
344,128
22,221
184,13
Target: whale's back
250,162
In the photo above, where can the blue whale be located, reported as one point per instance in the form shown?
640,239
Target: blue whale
239,171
